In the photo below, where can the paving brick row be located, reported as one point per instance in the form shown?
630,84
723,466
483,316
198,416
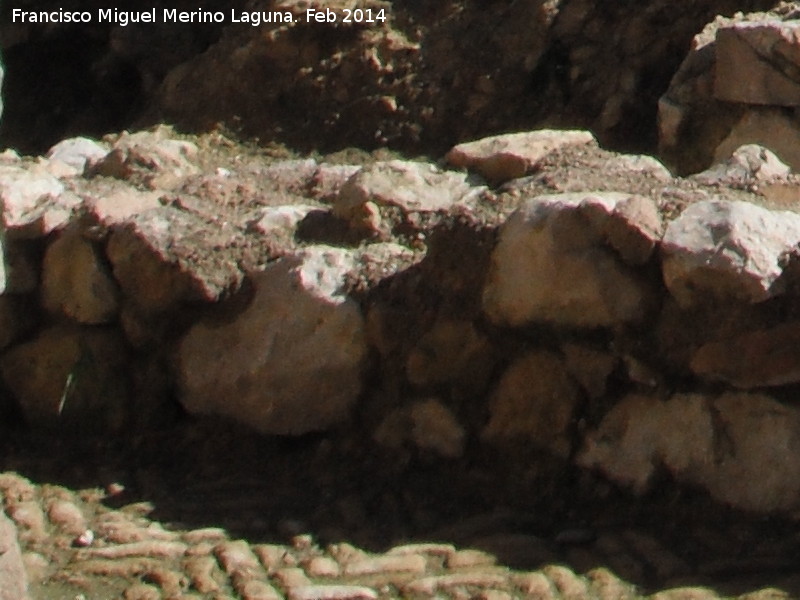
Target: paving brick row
142,559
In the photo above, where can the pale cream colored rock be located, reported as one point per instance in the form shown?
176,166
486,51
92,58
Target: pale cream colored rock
273,556
237,557
552,265
432,549
568,584
67,517
142,591
290,577
766,126
332,592
534,585
719,444
75,378
434,427
754,62
76,281
534,401
503,157
276,220
434,583
13,577
469,558
206,534
301,339
607,586
30,519
400,563
148,549
322,566
727,251
686,593
257,590
77,152
36,566
749,164
151,156
202,571
114,203
30,201
412,187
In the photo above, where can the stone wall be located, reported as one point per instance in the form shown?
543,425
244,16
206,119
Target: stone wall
537,292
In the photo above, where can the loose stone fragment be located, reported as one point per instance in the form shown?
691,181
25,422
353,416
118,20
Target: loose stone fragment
534,585
508,156
608,586
67,517
236,557
568,584
146,549
258,590
424,548
291,577
142,591
77,152
322,566
430,585
401,563
272,556
469,558
29,517
207,534
13,577
686,593
332,592
200,570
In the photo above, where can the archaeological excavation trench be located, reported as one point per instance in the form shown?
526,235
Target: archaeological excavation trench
340,337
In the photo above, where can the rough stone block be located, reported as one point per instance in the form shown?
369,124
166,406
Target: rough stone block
759,63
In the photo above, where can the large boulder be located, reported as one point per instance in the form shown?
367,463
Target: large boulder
732,89
742,448
292,361
560,260
730,251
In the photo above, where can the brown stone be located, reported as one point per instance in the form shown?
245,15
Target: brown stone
534,402
769,357
70,376
757,63
76,281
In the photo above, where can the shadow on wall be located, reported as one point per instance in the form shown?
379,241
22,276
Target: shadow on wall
62,86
